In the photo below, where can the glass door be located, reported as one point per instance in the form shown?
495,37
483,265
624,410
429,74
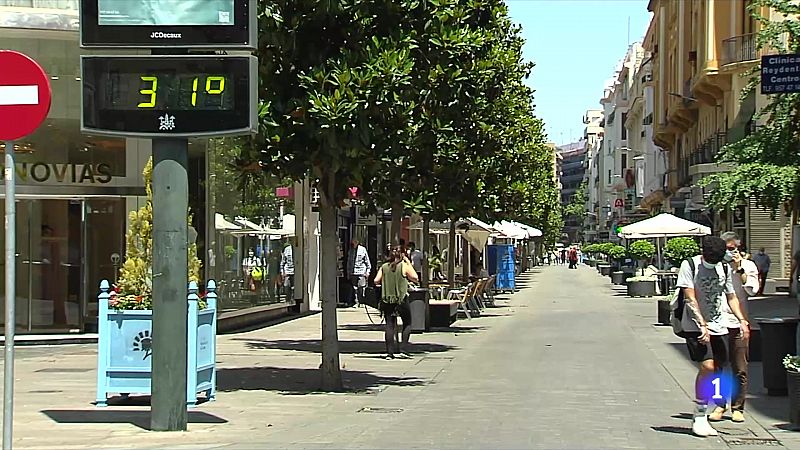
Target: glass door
49,270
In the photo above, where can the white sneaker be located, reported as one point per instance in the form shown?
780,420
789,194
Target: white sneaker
701,427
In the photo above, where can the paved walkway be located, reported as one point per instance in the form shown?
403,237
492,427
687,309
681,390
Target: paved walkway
567,362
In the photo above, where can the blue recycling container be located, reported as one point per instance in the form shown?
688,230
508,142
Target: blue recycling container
501,264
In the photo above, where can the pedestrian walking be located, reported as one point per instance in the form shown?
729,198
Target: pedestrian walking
358,268
745,283
287,270
707,285
573,258
563,256
393,278
253,269
763,262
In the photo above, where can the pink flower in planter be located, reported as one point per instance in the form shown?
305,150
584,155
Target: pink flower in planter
113,303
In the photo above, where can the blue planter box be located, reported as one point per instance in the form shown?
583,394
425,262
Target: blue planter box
124,348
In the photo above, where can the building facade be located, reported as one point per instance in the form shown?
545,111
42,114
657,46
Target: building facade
75,193
700,51
571,178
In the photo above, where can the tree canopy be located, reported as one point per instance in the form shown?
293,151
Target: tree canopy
419,101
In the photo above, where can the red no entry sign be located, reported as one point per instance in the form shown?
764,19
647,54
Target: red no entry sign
24,95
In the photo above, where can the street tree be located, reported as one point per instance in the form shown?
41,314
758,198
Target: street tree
323,69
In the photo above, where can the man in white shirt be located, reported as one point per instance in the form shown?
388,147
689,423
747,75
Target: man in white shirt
287,270
707,286
415,255
744,274
359,268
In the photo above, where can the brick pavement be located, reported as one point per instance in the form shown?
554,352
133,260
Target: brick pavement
567,362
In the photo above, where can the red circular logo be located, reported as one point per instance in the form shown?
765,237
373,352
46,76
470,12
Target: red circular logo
25,95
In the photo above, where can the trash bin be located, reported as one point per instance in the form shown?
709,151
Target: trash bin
778,339
419,303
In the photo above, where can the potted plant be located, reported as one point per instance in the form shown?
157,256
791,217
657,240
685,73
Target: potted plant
604,267
125,318
642,251
678,249
590,250
642,286
792,365
616,254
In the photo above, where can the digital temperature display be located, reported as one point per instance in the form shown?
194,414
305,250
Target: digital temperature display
169,91
169,95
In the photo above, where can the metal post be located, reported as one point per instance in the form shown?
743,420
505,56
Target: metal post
11,299
170,281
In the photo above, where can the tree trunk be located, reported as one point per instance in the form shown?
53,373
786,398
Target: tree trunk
426,251
397,220
451,255
331,372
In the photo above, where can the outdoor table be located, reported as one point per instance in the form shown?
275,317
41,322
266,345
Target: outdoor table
666,281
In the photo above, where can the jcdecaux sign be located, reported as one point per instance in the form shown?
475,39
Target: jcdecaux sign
780,74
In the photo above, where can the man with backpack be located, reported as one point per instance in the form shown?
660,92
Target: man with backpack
705,285
745,277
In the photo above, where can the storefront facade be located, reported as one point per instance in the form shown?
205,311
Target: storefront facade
74,191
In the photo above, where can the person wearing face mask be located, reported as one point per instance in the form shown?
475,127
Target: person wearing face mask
746,284
707,287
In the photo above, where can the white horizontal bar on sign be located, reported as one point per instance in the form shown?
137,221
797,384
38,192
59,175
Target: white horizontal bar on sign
19,95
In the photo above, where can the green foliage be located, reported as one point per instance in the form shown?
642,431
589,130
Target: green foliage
641,250
678,249
766,164
605,248
616,252
577,205
134,288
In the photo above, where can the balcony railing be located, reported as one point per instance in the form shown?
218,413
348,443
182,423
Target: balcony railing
739,49
706,152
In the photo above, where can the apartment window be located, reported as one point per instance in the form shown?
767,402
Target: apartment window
748,22
609,177
624,129
624,162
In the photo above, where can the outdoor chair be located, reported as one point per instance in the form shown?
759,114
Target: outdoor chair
488,291
478,299
463,296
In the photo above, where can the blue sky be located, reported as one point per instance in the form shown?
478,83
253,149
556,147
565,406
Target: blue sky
576,45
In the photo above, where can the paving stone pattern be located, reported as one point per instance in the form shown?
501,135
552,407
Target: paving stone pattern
566,362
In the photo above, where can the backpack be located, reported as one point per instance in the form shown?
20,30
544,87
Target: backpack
678,303
257,273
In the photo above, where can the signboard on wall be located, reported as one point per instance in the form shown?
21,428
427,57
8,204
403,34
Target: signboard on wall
780,74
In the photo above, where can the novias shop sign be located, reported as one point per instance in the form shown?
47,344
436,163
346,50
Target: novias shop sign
44,173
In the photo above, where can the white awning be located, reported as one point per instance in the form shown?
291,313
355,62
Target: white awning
220,223
663,225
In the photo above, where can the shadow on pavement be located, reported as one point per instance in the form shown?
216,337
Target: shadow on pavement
350,346
457,330
361,327
294,381
675,430
140,419
776,408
